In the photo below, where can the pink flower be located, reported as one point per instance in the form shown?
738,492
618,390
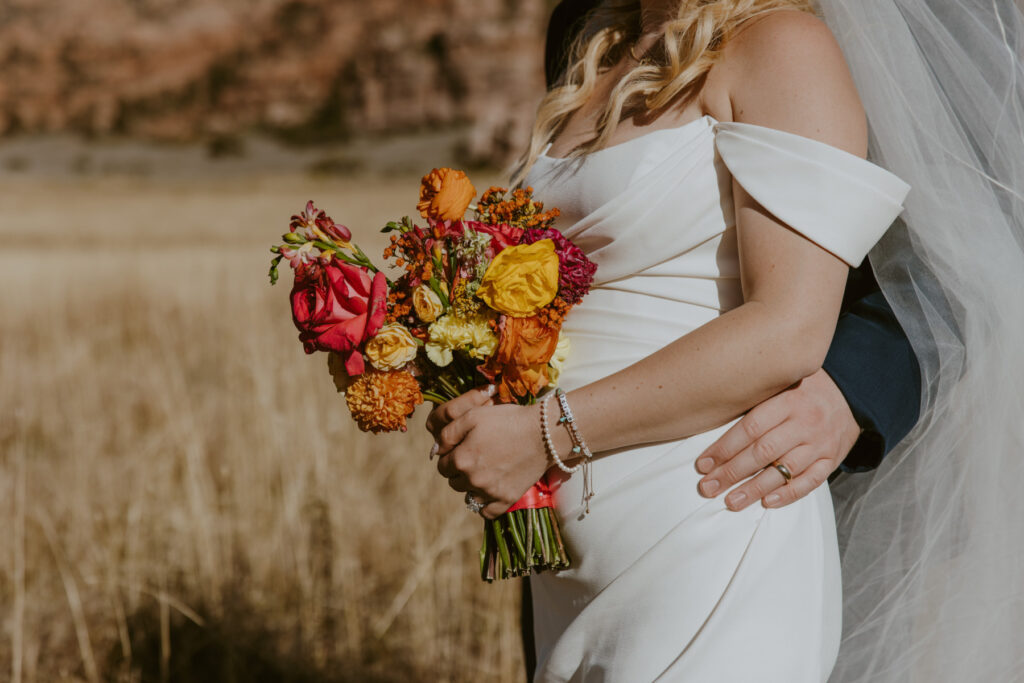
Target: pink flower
575,271
338,307
501,235
310,220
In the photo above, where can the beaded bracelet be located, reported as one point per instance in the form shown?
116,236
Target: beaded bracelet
579,445
546,432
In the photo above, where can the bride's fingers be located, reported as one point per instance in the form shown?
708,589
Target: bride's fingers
752,426
810,479
446,413
770,479
757,455
494,510
460,483
452,434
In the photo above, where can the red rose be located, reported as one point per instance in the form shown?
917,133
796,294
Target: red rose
338,307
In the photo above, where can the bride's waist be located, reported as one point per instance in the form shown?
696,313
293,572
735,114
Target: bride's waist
614,327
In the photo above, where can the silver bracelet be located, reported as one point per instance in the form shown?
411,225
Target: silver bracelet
546,432
579,446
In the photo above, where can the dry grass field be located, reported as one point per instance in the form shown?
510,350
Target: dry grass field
182,494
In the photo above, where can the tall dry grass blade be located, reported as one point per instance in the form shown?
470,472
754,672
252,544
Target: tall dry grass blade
165,641
73,597
18,628
421,570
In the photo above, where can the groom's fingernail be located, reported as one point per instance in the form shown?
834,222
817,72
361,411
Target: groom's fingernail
704,465
772,499
736,500
434,449
709,487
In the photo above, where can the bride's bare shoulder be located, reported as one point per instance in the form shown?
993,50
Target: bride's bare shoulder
786,70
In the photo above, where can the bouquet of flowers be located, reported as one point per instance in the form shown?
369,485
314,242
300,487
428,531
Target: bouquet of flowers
478,300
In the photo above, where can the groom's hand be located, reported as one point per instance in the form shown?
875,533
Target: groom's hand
808,428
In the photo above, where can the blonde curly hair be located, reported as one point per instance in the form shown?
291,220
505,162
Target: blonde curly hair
688,47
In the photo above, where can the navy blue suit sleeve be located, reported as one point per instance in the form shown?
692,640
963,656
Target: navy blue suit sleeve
874,366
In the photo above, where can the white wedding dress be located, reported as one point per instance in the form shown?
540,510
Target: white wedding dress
667,585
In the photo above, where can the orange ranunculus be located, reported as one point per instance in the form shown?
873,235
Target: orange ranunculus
524,349
445,194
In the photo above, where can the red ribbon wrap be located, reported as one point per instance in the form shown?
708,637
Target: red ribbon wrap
537,498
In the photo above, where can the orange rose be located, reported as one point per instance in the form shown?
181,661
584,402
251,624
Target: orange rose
524,349
445,194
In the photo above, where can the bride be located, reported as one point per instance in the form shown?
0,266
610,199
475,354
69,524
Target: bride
709,157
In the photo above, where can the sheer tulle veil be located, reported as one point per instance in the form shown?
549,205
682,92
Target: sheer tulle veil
933,541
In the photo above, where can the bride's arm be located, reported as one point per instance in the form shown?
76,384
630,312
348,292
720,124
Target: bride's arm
784,72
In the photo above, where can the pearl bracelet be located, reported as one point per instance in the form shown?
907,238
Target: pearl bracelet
546,432
579,447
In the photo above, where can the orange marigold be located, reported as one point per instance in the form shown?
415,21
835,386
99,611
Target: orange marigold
381,401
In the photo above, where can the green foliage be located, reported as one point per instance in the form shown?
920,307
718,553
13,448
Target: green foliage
273,270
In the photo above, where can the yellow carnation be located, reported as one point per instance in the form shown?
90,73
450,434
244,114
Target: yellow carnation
392,348
452,332
557,361
427,303
522,279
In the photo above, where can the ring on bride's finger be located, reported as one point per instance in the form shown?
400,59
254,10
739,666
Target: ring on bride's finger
784,471
472,504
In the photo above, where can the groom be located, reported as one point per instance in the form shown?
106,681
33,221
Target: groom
847,416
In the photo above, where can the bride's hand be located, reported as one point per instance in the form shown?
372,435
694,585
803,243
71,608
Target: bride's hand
494,452
442,415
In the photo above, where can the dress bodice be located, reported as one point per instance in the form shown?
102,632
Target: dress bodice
653,198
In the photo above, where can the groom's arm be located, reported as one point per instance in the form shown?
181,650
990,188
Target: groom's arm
848,415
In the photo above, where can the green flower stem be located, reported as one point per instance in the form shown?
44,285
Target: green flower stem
434,398
545,536
502,546
517,535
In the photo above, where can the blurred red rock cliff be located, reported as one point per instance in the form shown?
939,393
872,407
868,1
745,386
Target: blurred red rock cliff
302,70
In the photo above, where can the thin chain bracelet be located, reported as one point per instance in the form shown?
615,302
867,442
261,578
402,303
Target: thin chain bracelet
579,446
546,433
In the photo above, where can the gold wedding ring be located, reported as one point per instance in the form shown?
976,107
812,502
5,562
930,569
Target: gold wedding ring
784,471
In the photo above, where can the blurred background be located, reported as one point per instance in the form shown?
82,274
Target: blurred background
182,494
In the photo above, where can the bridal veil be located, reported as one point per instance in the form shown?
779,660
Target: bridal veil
933,541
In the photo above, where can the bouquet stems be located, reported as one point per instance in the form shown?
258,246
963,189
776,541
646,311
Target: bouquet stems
520,543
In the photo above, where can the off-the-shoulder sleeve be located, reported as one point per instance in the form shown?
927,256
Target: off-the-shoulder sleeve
835,199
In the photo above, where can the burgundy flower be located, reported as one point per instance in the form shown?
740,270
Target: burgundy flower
575,270
338,307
